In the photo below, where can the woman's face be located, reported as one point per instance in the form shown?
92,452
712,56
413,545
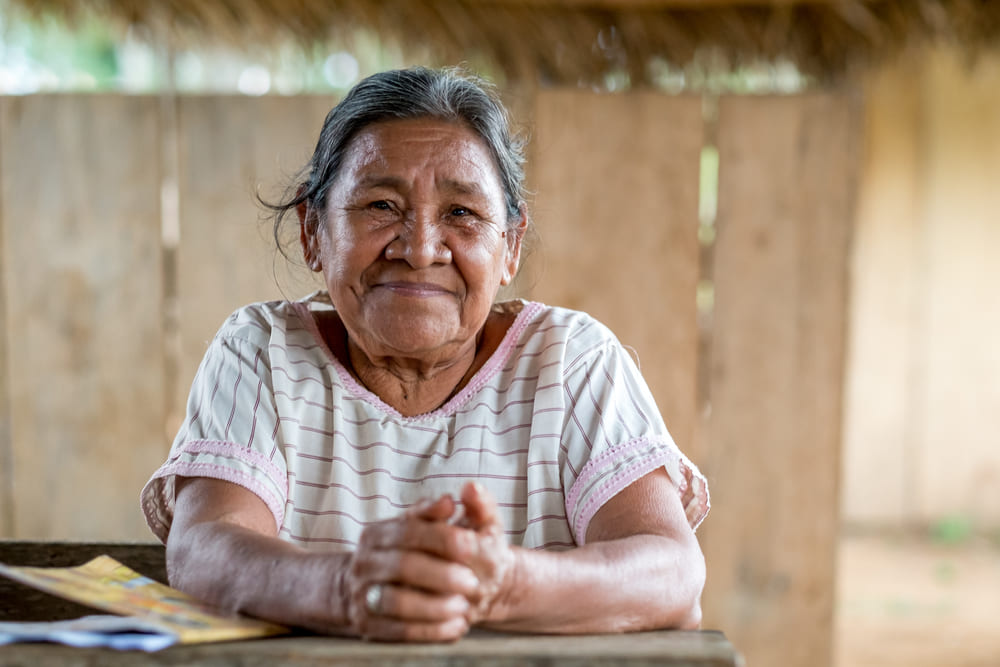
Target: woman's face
414,242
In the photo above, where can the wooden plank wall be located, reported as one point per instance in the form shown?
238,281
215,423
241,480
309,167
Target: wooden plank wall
229,148
878,480
618,223
617,217
616,177
923,388
6,451
962,305
773,438
82,277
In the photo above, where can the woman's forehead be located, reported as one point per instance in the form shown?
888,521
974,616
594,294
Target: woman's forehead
398,149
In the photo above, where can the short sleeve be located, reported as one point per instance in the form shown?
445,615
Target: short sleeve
613,435
228,434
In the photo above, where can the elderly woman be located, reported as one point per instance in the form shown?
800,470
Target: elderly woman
401,457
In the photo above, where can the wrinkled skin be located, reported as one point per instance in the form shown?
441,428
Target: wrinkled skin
436,565
413,246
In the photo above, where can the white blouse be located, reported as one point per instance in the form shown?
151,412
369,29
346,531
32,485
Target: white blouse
555,423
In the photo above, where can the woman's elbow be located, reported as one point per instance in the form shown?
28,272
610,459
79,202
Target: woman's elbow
692,618
691,584
178,553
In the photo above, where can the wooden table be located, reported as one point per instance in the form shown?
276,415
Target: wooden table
18,603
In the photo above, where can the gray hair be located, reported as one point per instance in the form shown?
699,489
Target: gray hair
450,94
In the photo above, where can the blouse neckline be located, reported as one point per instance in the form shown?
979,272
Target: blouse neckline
320,300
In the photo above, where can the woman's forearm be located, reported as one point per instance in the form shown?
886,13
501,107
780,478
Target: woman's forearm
240,570
639,582
403,582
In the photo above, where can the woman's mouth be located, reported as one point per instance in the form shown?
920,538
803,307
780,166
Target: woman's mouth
414,289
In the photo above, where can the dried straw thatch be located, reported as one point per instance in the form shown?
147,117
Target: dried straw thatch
574,40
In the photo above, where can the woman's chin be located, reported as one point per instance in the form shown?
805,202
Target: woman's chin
413,337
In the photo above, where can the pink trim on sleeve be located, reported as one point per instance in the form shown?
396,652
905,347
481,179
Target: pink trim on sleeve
240,452
593,469
238,477
691,487
158,508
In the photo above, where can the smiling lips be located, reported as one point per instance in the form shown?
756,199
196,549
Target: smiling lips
414,289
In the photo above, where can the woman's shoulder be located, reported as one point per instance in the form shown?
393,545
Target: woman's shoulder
576,327
259,322
550,334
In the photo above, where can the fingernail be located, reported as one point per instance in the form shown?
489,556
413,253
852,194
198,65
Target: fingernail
469,579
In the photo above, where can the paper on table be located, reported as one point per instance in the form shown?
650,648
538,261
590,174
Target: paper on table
118,632
106,584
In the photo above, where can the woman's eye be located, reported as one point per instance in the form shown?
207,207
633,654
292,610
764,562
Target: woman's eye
460,211
381,205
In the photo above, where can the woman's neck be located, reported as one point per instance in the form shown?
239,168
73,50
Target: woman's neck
417,386
413,386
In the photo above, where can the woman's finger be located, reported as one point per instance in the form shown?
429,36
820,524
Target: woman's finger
417,570
481,509
383,628
409,533
440,509
412,605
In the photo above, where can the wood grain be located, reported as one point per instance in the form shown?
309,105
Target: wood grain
229,148
786,184
882,367
82,273
664,4
923,374
17,602
6,453
956,410
668,649
617,216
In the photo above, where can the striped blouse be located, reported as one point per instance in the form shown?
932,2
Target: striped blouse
554,424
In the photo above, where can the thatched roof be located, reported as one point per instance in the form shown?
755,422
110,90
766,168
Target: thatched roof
574,40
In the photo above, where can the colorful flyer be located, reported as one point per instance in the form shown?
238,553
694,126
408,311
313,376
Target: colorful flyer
106,584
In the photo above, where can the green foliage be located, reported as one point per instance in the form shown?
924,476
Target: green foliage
45,54
42,53
952,530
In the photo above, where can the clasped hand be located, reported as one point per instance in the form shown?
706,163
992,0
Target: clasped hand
429,575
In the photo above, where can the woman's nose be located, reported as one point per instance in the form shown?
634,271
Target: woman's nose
420,242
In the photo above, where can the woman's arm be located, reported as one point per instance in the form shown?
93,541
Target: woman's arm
641,568
223,548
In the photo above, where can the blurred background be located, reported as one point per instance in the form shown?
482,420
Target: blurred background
788,208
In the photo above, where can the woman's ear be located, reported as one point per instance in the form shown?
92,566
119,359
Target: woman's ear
309,233
514,236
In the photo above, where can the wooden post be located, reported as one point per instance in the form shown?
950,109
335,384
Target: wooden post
617,216
882,377
6,454
81,267
230,146
786,170
957,406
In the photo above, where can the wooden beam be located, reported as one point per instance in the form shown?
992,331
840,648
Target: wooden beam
882,370
786,174
228,148
6,453
617,213
83,280
662,4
